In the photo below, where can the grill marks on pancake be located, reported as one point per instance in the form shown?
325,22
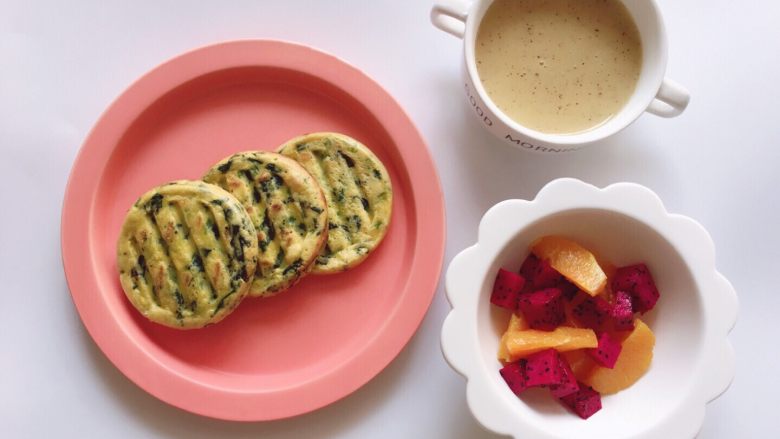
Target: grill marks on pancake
284,223
277,216
338,238
205,289
217,224
162,270
356,194
232,243
187,264
188,212
216,260
140,274
180,255
349,205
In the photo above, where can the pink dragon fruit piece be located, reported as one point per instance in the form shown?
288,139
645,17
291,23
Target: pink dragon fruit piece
568,289
622,312
568,383
528,268
593,313
514,375
543,308
545,276
506,289
607,352
637,281
539,274
543,369
584,402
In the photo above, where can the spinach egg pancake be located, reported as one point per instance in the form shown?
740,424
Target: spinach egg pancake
358,191
287,209
186,254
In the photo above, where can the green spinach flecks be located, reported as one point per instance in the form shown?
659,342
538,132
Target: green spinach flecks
197,262
273,168
270,231
237,242
221,303
179,298
142,264
338,195
348,159
279,259
293,268
154,204
214,229
265,186
356,223
225,166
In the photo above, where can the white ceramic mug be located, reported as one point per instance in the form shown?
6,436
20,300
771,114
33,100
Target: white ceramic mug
654,92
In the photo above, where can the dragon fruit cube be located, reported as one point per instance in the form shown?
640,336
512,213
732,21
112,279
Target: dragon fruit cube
506,289
637,281
514,375
539,273
584,402
607,352
622,312
543,369
543,308
568,383
593,313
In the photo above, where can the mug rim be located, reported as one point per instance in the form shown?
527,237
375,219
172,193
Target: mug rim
580,138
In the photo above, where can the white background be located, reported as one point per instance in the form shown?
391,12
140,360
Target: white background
62,63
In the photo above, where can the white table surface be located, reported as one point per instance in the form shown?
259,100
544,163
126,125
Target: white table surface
64,62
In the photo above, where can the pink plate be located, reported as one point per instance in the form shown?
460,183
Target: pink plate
303,349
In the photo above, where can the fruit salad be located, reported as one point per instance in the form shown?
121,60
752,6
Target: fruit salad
575,327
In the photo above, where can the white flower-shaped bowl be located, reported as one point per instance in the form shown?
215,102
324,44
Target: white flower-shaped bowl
693,360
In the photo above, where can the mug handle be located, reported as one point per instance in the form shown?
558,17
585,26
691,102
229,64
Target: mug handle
671,99
450,16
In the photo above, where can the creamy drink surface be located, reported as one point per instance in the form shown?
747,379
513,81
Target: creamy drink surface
559,66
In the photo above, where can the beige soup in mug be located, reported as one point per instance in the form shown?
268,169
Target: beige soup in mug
555,75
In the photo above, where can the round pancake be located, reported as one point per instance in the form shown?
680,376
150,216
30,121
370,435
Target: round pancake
186,254
358,191
286,207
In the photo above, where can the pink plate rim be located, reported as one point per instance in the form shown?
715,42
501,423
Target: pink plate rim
151,373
